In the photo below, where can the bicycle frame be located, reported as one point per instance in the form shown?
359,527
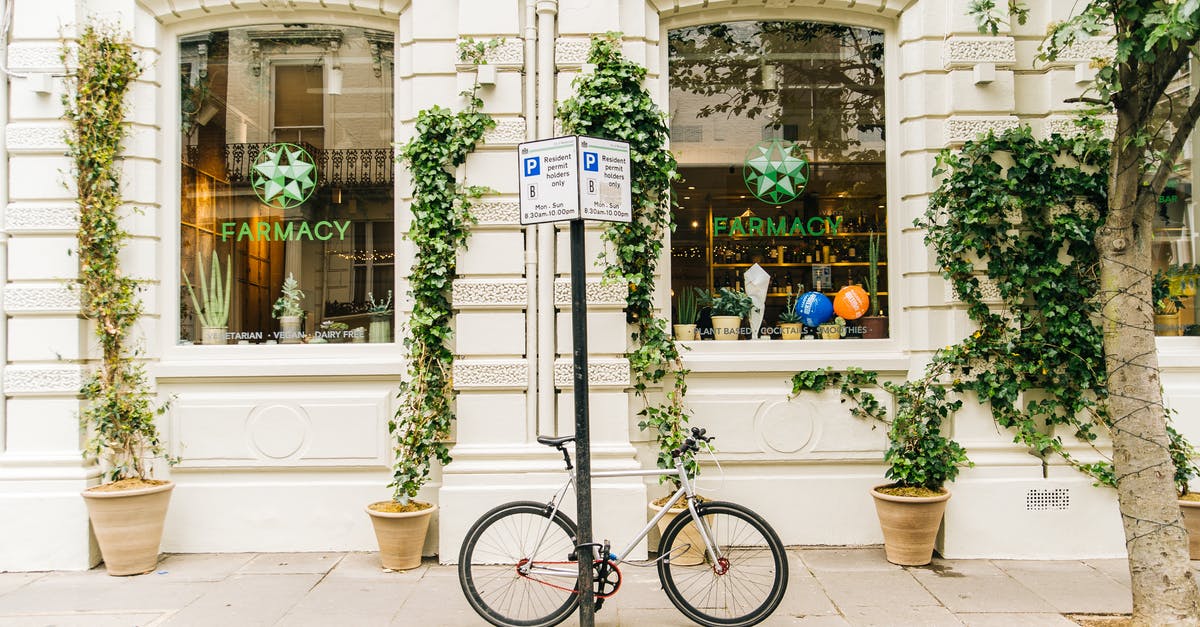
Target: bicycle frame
686,488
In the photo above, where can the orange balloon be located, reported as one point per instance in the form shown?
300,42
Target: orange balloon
851,302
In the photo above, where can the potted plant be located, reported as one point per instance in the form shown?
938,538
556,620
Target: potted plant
1182,455
687,310
289,311
213,305
381,318
127,510
920,459
875,325
790,327
1167,317
832,330
728,309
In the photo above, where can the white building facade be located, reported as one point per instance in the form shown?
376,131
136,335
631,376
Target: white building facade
282,434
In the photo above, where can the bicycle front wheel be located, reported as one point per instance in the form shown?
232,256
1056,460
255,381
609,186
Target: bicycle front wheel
515,567
743,586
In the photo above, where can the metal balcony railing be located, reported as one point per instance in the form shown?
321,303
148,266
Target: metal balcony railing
346,168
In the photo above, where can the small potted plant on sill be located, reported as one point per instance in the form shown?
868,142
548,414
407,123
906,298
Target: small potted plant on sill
289,311
1167,317
728,309
832,330
921,461
213,305
380,330
687,310
875,324
790,327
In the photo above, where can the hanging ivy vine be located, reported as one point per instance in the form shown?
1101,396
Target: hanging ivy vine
120,415
442,219
612,103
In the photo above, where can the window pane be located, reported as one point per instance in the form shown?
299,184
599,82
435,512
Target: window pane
269,191
779,131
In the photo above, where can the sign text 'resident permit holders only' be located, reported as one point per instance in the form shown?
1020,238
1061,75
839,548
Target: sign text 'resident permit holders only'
575,177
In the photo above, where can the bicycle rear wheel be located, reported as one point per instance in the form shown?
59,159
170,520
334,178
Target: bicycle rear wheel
498,544
743,587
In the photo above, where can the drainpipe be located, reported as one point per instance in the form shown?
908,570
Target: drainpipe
531,254
5,17
547,10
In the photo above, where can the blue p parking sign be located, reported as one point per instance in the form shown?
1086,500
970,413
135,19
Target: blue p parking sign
532,166
591,161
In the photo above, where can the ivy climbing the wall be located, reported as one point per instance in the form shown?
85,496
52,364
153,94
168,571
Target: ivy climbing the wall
612,103
442,218
119,419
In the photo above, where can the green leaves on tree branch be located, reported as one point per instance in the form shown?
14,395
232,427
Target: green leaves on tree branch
120,416
442,219
612,103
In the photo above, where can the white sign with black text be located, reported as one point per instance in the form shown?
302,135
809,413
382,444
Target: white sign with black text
568,178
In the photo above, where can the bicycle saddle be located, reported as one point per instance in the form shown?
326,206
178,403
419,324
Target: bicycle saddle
555,441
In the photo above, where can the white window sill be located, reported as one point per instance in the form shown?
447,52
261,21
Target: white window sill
1178,352
793,355
280,360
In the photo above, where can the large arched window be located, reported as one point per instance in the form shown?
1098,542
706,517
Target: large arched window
286,170
779,131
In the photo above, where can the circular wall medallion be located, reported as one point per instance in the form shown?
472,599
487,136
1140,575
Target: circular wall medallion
787,427
284,175
775,171
277,431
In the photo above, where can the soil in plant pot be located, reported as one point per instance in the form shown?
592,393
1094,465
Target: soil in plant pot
681,504
1190,496
126,484
392,507
909,491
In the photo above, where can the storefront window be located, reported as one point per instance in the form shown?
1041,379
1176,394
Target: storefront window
1174,253
286,172
779,131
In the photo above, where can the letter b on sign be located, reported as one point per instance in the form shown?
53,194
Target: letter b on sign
532,166
591,161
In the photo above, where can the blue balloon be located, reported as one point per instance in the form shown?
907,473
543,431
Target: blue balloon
814,308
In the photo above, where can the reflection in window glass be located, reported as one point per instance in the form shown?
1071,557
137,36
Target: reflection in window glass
286,170
1174,241
779,130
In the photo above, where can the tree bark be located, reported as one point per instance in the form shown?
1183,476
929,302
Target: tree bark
1164,590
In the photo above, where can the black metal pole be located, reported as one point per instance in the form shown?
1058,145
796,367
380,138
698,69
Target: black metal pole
583,456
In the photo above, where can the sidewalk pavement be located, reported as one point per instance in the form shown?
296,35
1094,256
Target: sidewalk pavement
828,586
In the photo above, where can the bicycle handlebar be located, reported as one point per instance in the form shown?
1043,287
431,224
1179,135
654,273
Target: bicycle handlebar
691,445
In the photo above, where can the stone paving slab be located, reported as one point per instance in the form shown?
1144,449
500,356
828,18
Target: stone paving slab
828,587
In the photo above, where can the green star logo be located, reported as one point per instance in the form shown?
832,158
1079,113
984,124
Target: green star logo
775,171
284,175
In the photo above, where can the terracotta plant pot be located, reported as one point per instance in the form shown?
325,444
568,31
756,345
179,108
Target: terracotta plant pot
401,536
791,330
1168,324
910,525
1191,519
691,556
876,327
726,327
128,525
685,332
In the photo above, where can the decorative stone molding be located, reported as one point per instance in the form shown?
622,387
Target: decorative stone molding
34,57
490,293
20,380
36,137
989,292
172,11
1080,207
43,299
507,131
41,218
1086,50
1065,125
510,54
600,372
598,293
959,129
473,373
490,212
571,51
962,52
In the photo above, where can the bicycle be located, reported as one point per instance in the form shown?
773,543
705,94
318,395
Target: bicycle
518,563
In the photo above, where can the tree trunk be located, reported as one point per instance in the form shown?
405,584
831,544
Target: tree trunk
1164,591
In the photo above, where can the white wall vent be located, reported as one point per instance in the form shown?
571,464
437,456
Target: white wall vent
1043,500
